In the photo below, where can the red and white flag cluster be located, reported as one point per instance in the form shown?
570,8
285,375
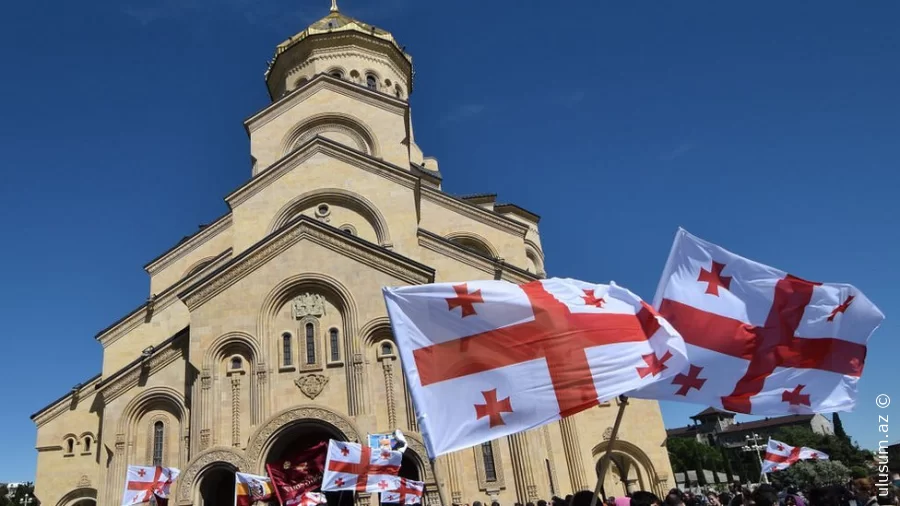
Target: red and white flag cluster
485,359
142,483
404,492
760,340
781,456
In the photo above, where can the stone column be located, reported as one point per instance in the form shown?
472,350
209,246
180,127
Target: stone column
387,364
115,478
205,410
523,476
453,474
236,411
572,451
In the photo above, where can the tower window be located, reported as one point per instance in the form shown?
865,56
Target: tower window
87,444
371,83
387,349
236,363
286,358
310,344
490,469
70,446
335,350
337,74
158,431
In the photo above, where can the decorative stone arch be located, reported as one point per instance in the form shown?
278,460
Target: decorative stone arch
74,439
626,450
189,481
160,397
151,426
337,68
78,495
262,441
197,266
224,345
416,449
474,242
353,201
84,446
375,329
536,255
337,292
363,137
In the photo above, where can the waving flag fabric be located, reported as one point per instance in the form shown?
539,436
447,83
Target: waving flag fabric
405,492
485,359
781,456
352,466
143,482
298,473
760,340
250,488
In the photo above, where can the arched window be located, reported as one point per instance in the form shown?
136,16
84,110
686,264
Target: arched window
310,344
490,471
337,73
371,82
236,363
87,444
70,445
286,358
158,430
387,348
333,342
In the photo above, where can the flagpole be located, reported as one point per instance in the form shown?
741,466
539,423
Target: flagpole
437,479
604,461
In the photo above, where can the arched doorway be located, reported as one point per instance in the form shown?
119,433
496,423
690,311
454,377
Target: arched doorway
217,487
630,469
409,468
300,436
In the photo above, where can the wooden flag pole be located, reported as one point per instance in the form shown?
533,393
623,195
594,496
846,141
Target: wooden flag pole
437,479
604,461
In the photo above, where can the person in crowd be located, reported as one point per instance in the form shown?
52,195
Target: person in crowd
889,498
643,498
558,501
582,498
765,495
495,503
826,496
569,499
864,491
712,499
540,502
725,498
611,501
675,498
529,503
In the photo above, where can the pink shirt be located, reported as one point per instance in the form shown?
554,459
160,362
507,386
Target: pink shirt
623,501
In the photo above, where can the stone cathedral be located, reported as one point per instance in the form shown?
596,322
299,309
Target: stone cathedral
267,330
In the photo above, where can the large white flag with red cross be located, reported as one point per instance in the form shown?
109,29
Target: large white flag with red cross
352,466
485,359
143,482
760,341
782,456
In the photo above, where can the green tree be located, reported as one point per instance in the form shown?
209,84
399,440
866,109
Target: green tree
726,460
839,431
894,458
807,474
4,491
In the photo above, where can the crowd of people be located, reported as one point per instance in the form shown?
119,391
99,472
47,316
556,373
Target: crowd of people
859,492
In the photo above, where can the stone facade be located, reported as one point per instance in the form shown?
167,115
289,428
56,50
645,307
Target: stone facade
268,325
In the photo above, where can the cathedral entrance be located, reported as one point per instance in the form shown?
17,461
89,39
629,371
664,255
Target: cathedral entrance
301,436
217,487
409,468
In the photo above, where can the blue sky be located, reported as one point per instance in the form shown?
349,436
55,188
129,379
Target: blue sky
770,128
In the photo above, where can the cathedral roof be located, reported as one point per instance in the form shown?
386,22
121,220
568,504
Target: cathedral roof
335,22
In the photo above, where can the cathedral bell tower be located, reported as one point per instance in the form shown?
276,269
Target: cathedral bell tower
344,48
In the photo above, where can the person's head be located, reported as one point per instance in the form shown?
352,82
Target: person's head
495,503
790,500
582,498
476,503
643,498
529,503
712,498
539,503
825,496
674,498
611,500
557,501
863,489
765,495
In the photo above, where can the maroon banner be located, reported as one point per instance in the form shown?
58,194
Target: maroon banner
298,473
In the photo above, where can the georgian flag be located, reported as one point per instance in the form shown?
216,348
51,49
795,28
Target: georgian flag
143,482
760,341
781,456
405,492
485,359
352,466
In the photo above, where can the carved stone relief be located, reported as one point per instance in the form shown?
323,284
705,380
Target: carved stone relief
84,482
607,433
308,304
312,384
236,411
187,479
264,434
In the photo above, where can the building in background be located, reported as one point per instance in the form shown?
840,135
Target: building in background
716,427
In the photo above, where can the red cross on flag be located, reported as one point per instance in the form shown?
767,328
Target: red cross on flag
352,466
759,340
781,456
143,482
405,492
485,359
